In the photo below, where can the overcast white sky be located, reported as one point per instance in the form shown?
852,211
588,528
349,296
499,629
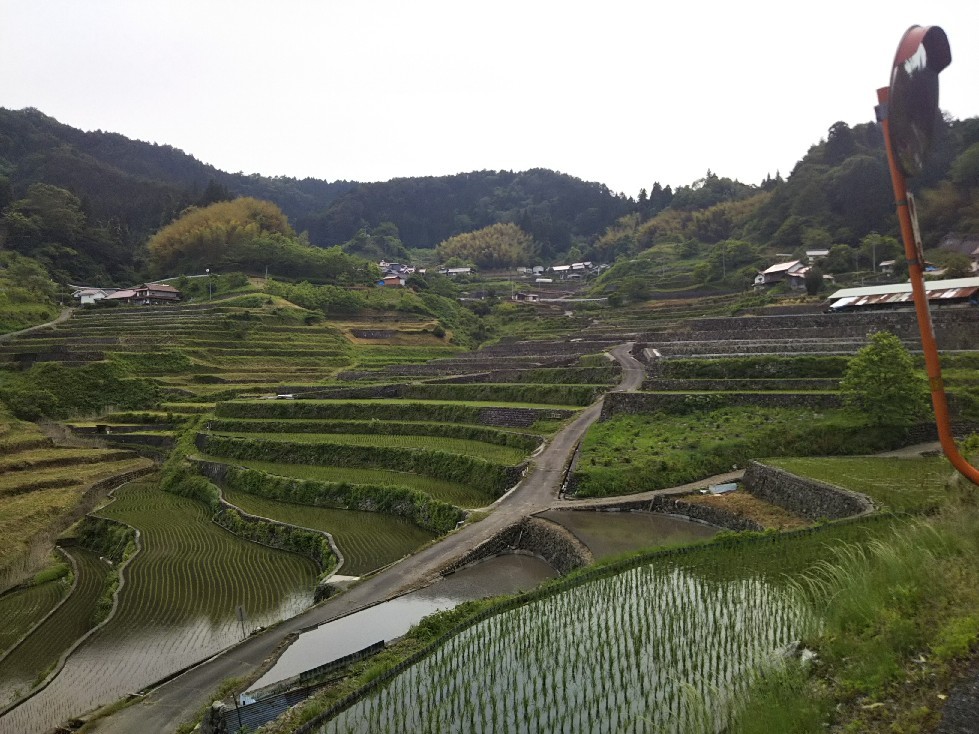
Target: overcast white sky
621,92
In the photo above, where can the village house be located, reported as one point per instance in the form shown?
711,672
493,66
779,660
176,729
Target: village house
792,272
146,294
87,296
527,297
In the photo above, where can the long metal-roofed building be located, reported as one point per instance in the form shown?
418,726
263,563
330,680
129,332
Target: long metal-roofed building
958,291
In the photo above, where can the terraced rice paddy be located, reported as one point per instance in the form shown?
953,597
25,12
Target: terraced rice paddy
22,608
177,605
451,492
490,452
27,664
667,646
367,540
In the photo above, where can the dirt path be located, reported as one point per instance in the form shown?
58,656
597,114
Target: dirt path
179,699
62,317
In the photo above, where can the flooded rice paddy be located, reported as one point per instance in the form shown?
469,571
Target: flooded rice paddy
500,575
613,533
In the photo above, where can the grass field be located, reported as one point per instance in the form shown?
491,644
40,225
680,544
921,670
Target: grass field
368,540
451,492
896,484
634,453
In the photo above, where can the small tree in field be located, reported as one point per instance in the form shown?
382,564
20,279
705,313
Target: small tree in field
881,383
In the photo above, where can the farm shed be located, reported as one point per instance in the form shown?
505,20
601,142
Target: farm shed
958,291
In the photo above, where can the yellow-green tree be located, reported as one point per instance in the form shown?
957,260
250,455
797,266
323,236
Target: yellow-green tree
497,246
203,237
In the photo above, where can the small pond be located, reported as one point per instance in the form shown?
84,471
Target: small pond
612,533
506,574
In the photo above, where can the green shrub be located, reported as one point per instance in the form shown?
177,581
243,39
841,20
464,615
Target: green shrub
418,507
278,535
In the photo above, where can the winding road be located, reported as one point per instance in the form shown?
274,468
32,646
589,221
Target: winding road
179,699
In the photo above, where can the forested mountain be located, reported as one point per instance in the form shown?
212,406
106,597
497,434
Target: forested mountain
144,184
838,193
557,210
84,204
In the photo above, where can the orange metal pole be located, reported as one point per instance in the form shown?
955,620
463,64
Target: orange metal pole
912,250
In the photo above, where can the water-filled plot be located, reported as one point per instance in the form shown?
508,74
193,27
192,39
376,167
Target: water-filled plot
177,606
660,648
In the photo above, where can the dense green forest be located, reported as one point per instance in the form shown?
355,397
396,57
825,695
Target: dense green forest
85,205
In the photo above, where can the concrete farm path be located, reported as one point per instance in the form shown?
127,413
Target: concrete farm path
179,699
62,317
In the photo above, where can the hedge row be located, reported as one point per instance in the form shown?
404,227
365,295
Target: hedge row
469,470
308,409
417,507
305,542
524,441
753,367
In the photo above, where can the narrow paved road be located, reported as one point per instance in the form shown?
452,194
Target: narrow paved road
179,699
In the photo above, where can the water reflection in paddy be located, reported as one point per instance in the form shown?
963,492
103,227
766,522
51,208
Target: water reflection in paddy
611,533
500,575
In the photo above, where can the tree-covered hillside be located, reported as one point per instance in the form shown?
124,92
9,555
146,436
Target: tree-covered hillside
133,186
84,204
557,210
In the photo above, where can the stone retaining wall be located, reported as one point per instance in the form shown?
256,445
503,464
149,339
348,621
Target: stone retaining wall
808,498
955,328
520,417
675,505
546,540
742,383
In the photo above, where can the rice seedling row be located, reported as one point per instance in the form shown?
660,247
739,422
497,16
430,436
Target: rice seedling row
490,452
21,609
367,540
27,665
176,607
666,646
438,488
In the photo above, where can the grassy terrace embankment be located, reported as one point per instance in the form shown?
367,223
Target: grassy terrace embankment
43,489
